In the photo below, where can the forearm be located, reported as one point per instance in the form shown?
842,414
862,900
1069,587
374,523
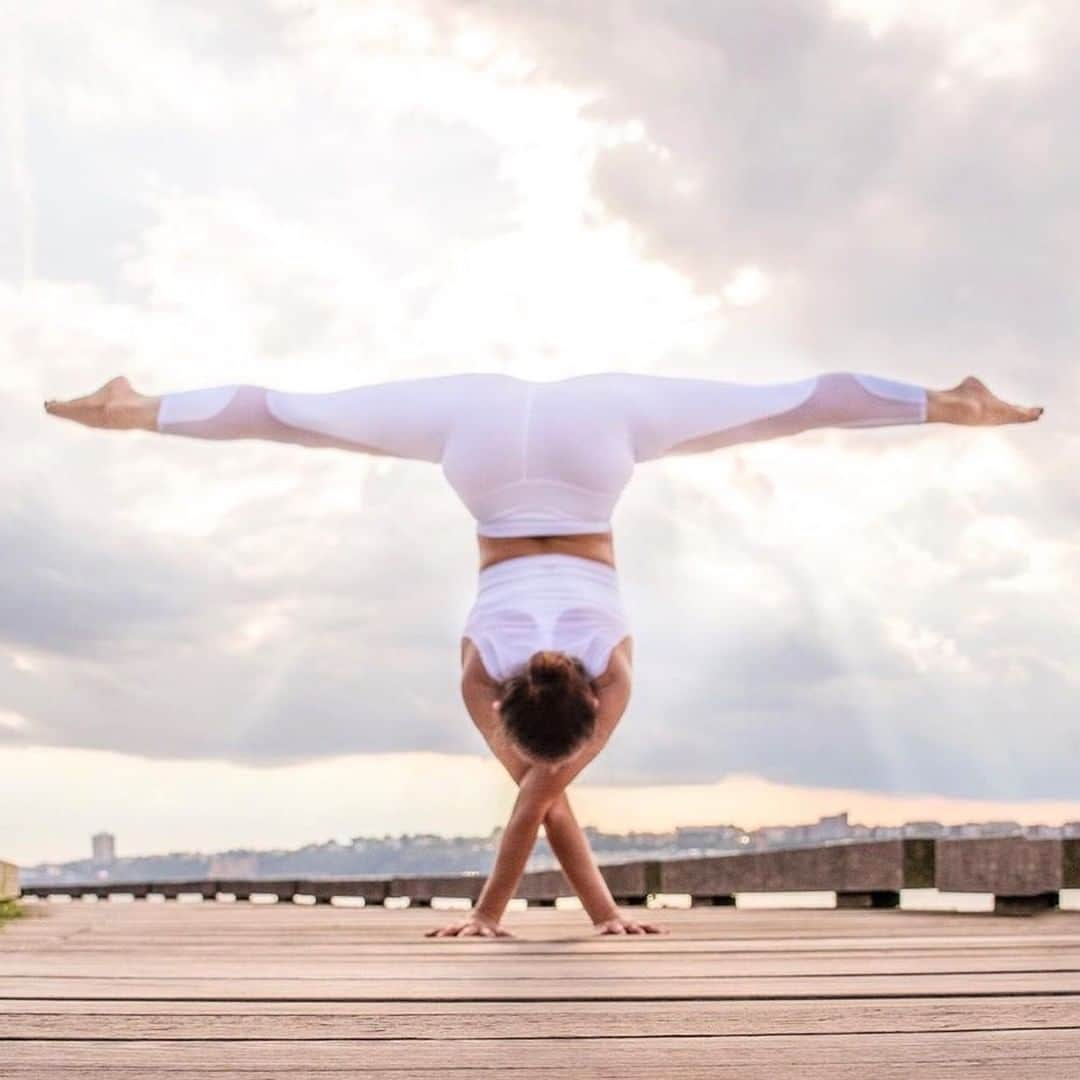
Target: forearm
570,846
516,844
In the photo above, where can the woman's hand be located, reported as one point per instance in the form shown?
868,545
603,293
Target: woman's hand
620,924
475,925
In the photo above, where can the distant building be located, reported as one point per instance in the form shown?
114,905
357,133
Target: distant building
234,865
835,827
104,847
706,838
924,829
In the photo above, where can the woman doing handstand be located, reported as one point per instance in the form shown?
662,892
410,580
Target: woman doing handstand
546,649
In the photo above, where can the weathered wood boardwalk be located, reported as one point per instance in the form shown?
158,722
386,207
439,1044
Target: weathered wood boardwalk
209,989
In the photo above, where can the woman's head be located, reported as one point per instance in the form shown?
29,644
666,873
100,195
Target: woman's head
549,710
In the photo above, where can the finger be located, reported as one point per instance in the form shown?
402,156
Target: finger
635,928
503,933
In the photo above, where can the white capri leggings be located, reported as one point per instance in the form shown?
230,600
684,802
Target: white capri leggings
542,458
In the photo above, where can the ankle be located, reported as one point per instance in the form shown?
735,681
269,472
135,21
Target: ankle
148,412
950,407
131,413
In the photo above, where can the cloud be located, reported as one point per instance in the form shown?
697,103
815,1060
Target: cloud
20,179
908,192
322,194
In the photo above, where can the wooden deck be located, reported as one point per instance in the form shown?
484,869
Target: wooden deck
180,989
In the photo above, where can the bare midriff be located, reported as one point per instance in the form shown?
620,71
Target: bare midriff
496,549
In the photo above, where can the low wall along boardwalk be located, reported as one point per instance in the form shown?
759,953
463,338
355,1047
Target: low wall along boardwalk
1023,876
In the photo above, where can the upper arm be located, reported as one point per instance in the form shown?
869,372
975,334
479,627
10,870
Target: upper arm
480,693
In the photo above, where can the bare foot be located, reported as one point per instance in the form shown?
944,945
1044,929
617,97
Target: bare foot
115,405
973,404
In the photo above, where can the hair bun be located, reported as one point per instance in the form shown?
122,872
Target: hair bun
549,667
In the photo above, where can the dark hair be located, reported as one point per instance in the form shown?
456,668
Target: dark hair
548,709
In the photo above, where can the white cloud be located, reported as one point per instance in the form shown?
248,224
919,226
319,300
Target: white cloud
313,195
13,721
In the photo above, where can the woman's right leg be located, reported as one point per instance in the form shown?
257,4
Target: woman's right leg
408,418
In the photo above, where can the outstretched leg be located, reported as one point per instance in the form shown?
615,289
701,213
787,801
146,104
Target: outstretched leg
688,416
409,418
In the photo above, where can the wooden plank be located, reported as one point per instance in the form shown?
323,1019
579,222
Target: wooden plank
401,1020
123,914
263,916
1043,1053
181,927
630,950
513,987
979,1068
443,961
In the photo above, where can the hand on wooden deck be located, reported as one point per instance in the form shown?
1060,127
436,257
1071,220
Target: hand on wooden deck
620,924
473,926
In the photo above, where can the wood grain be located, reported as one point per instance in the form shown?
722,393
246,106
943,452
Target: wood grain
181,990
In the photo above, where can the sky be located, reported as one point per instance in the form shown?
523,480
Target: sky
205,644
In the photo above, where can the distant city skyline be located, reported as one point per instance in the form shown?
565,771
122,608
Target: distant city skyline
426,853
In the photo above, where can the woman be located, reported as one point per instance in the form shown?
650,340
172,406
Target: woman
546,651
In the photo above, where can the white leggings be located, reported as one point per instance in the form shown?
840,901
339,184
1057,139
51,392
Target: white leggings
542,458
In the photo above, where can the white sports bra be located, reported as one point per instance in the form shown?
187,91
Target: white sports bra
537,602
